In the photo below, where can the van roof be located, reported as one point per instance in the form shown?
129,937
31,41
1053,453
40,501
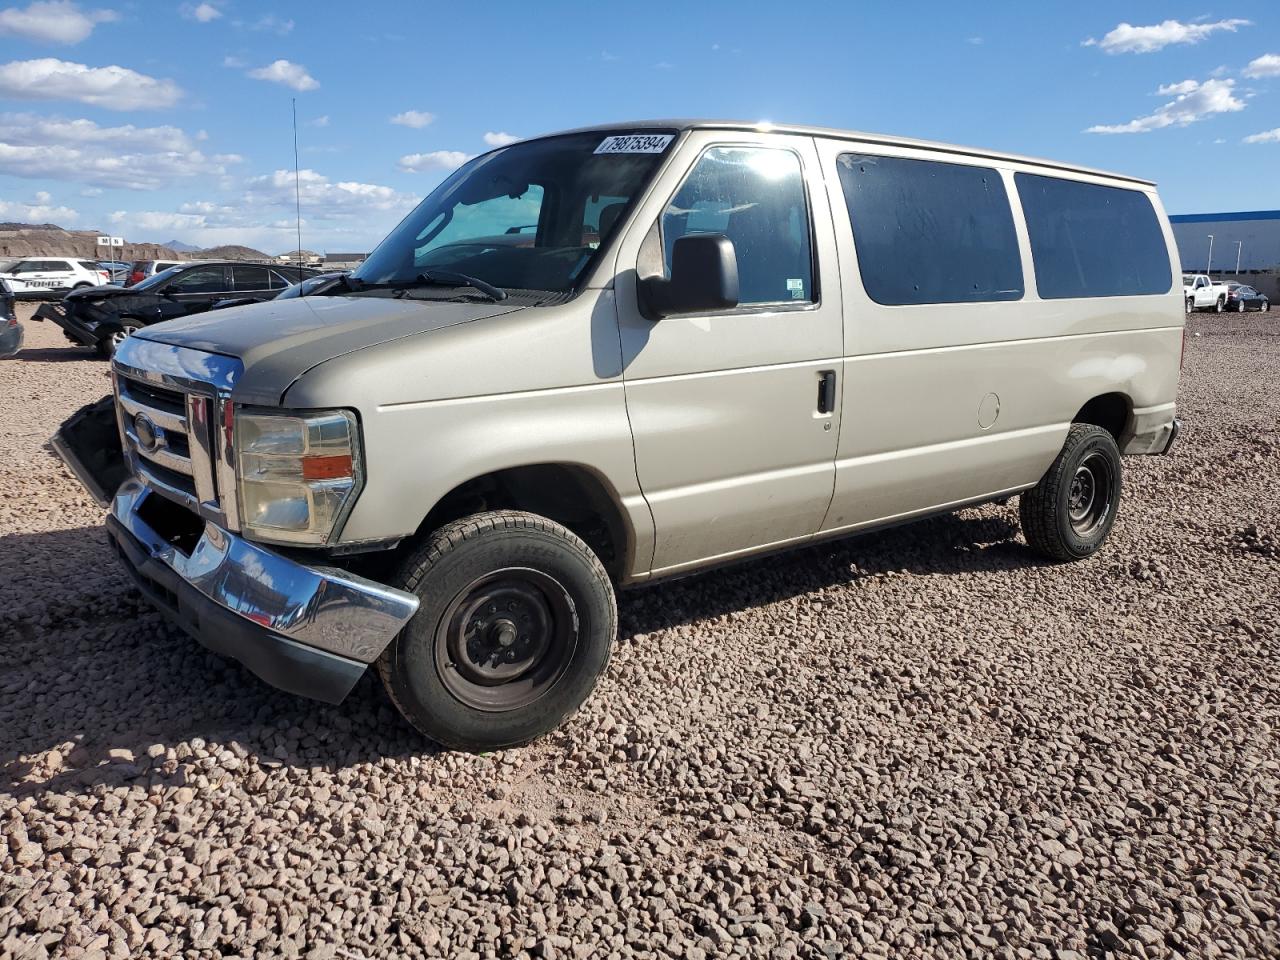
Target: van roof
852,135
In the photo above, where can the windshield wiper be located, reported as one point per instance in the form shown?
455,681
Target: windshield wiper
434,278
447,278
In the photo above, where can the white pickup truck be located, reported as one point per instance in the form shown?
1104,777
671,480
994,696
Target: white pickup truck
1203,293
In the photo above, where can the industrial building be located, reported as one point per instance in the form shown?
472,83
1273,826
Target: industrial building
1247,244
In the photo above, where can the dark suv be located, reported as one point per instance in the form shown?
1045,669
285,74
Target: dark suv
102,317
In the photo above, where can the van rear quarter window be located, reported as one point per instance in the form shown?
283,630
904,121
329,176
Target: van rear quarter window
930,232
1089,240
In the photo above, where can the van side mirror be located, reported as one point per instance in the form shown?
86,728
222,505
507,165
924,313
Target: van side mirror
704,277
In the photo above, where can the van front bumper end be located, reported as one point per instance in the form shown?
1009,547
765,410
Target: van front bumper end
308,630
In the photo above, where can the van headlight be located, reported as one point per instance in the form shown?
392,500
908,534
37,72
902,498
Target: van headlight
297,473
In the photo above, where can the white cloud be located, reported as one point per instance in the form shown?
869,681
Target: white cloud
322,197
43,210
268,23
976,41
413,118
499,139
234,62
1267,136
1126,38
113,87
434,160
1192,101
29,128
319,121
202,12
1267,65
135,158
290,74
53,21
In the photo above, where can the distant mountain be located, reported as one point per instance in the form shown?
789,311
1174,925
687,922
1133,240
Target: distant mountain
180,246
301,254
231,251
50,240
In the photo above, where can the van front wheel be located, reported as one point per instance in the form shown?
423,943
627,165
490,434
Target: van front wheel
516,623
1070,512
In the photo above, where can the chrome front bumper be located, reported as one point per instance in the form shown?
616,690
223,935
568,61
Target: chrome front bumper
257,593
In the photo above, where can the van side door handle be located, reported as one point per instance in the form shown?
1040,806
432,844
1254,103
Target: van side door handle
826,391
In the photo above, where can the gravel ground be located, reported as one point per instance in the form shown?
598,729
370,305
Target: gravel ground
921,743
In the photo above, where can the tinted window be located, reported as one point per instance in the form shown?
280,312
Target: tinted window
514,217
930,232
1093,241
250,278
198,280
755,197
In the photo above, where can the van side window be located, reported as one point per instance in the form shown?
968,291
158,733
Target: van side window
929,232
1088,240
754,196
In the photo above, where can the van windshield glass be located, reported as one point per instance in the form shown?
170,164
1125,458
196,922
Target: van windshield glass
531,216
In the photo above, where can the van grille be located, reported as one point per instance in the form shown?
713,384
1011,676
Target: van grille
170,435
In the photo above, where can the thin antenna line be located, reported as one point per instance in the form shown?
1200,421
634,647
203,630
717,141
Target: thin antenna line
297,181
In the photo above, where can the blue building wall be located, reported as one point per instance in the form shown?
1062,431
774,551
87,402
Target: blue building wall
1258,231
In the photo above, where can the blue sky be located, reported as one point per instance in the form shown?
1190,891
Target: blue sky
163,120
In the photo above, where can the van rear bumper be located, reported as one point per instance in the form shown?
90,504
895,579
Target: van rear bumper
1151,432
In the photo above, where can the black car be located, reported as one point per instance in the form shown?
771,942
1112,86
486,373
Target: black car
101,317
306,287
1242,297
10,329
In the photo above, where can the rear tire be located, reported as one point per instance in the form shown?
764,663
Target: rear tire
1070,512
516,625
1220,305
1191,306
1240,308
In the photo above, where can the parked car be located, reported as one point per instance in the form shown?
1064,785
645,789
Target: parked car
104,316
117,270
1242,297
10,328
303,288
1201,292
447,463
43,278
142,269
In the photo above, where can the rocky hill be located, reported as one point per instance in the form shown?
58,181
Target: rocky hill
50,240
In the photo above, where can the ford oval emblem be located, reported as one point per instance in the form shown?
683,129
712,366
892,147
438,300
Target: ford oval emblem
148,433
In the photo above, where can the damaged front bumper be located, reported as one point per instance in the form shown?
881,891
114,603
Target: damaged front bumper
308,630
78,330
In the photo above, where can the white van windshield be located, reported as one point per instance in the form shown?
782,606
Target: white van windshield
531,216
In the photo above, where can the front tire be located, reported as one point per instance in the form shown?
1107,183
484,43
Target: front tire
1240,308
108,345
516,625
1070,512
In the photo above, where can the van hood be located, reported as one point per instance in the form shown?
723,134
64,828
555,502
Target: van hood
280,340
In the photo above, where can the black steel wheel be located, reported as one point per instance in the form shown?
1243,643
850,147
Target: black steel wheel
516,623
506,639
1089,494
1070,512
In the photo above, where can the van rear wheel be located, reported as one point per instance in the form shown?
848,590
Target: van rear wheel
1070,512
516,624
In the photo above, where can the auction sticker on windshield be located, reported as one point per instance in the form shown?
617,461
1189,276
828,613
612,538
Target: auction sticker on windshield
636,143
